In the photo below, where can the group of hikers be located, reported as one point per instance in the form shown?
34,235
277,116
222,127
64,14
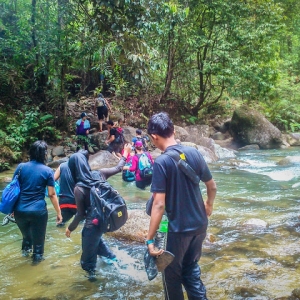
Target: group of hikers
139,161
174,196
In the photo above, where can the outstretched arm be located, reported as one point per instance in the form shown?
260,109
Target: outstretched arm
108,172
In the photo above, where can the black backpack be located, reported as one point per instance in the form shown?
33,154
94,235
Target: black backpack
119,137
143,139
108,209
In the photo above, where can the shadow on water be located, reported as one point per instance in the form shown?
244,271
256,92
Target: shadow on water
252,250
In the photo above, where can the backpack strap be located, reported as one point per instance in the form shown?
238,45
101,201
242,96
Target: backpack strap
184,166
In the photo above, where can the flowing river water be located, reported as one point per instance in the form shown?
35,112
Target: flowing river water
252,250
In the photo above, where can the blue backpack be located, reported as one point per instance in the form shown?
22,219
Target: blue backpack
127,175
56,187
145,166
10,194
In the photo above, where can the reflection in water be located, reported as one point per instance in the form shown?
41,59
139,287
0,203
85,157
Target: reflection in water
254,251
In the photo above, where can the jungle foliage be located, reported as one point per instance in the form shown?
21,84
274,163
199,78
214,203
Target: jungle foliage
193,54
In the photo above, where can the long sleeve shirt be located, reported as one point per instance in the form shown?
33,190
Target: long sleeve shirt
82,194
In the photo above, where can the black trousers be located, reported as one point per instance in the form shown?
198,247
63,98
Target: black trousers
93,245
32,225
142,184
184,269
68,213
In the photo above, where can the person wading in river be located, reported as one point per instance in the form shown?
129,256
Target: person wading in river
84,178
30,211
177,196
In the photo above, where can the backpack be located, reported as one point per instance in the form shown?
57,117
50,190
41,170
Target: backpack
10,194
101,102
108,209
119,136
127,175
145,166
143,140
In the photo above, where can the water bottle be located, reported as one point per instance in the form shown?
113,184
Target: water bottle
163,226
161,234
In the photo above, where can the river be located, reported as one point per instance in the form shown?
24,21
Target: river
253,249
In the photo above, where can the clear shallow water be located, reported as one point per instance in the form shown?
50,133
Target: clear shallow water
253,251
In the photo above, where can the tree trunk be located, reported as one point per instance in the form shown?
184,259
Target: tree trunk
63,69
171,66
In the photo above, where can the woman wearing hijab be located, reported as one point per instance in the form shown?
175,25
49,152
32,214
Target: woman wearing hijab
85,179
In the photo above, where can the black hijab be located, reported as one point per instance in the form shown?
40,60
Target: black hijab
80,170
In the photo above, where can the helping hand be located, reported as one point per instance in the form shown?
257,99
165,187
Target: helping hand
68,232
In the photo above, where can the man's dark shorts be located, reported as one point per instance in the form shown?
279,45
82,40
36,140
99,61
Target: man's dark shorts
102,112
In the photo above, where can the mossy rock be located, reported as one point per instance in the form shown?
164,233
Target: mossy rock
248,127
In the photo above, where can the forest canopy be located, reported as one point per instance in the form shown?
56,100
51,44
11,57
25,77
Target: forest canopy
195,54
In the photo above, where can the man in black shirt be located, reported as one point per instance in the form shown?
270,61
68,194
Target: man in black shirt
113,145
176,195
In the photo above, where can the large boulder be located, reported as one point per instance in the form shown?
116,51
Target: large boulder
58,151
207,143
98,139
208,155
196,132
180,133
102,159
248,126
130,133
223,153
135,228
293,139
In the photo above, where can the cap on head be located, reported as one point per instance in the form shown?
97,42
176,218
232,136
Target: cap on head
83,115
138,144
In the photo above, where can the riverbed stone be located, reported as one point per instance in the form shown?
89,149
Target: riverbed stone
155,153
296,293
102,159
56,163
180,133
289,160
293,139
189,144
98,139
207,154
135,228
248,126
91,150
58,151
223,153
249,147
130,133
256,223
220,136
196,131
